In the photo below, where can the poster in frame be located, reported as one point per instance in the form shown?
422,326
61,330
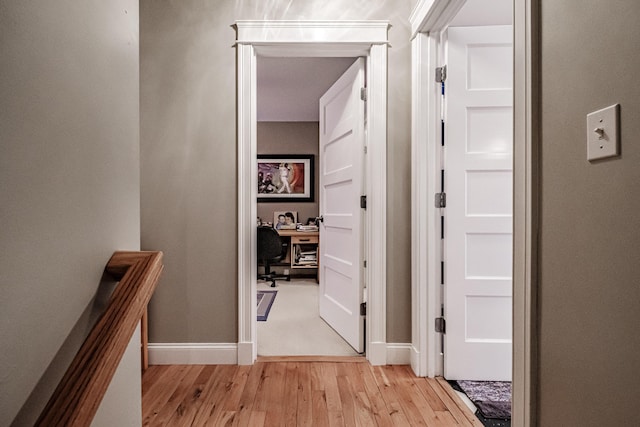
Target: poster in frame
285,178
285,220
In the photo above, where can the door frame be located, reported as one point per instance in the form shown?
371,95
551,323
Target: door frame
313,39
428,19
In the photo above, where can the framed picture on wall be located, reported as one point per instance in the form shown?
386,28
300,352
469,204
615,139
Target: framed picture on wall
285,220
285,178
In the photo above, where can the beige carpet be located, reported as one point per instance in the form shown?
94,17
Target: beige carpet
294,327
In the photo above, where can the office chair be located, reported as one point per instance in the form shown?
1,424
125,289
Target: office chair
270,250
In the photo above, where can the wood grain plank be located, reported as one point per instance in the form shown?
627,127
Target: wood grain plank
347,399
215,396
429,394
222,419
248,397
159,412
305,395
447,420
257,419
290,395
193,399
330,383
415,409
240,379
336,419
378,406
458,409
362,403
273,389
300,394
320,415
149,377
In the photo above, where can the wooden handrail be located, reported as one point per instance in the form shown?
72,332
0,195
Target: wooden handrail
79,393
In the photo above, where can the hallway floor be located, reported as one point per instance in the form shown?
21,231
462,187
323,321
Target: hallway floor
298,394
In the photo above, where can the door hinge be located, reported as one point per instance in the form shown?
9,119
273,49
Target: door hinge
441,325
364,263
363,94
363,202
441,74
441,200
363,309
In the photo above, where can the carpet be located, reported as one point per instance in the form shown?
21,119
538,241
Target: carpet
492,398
265,300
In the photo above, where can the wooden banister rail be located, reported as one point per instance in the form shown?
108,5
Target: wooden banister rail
79,393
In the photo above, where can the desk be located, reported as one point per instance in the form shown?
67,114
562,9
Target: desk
302,249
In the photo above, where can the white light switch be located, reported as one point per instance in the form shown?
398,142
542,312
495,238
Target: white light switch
603,134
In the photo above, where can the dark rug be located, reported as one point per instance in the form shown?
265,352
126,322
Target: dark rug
265,300
492,398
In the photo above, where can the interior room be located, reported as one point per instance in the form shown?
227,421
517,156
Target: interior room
289,90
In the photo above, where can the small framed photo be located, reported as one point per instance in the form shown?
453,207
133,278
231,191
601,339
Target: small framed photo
285,178
285,220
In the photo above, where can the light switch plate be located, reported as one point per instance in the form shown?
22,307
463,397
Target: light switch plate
603,133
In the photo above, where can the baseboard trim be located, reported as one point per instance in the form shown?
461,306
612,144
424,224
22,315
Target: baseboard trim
414,356
229,353
377,353
398,354
193,353
245,353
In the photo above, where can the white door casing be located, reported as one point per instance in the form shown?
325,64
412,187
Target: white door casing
478,216
341,184
313,39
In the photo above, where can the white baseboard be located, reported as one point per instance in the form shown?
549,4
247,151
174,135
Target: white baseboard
229,354
245,353
193,353
398,354
416,362
377,353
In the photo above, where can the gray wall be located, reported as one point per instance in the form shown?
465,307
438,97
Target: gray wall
290,138
189,162
69,185
590,227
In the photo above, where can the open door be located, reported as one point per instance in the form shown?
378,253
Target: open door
478,213
341,171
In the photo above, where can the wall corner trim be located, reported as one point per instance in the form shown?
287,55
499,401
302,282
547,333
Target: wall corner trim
399,353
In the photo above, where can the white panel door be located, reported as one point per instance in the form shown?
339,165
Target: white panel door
341,160
478,215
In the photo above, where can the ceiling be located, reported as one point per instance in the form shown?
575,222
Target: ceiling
289,88
484,12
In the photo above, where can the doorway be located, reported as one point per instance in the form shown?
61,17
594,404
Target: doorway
291,116
313,39
465,159
428,20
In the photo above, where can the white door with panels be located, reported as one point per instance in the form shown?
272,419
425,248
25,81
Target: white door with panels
478,213
341,171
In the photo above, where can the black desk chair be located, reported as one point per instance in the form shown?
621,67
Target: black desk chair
269,251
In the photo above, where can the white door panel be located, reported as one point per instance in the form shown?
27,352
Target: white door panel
341,171
478,216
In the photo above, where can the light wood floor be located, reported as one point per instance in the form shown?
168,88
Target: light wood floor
298,392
